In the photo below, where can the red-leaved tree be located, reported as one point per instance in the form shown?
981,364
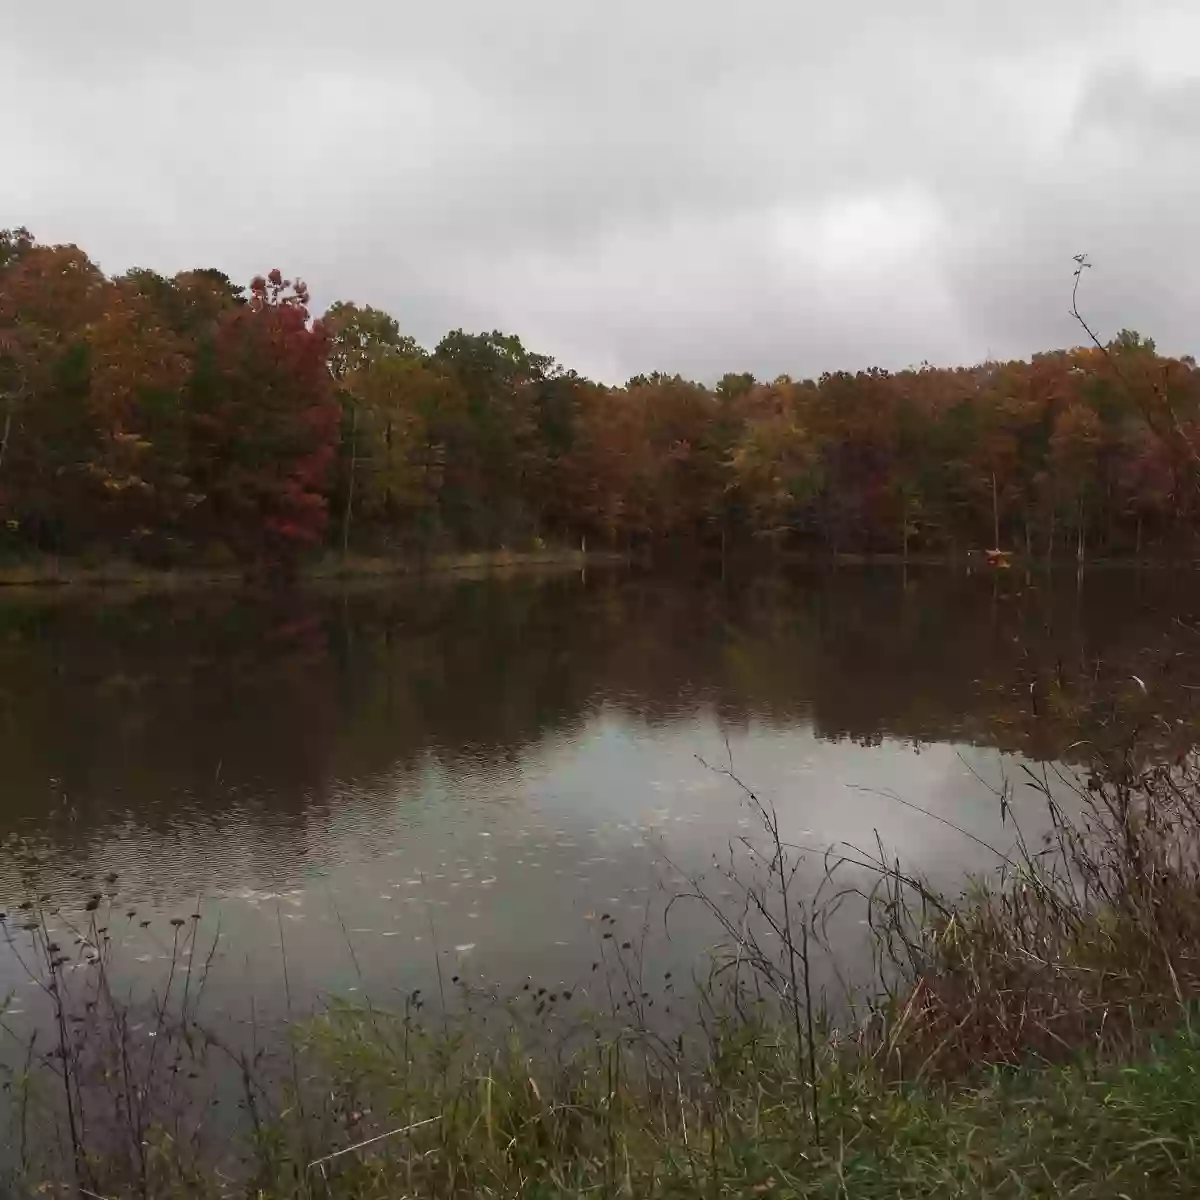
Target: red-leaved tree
266,422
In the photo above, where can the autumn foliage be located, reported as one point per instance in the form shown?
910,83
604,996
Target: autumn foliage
265,422
187,419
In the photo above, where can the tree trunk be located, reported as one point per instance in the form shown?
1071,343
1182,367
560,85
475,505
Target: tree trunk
7,431
346,516
995,515
1050,541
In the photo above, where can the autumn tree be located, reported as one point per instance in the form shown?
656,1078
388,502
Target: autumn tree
365,348
48,296
497,459
776,468
266,423
138,464
16,335
609,472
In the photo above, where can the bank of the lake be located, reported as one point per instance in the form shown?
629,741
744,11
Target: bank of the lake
52,572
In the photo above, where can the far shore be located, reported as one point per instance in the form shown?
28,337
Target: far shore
53,572
50,572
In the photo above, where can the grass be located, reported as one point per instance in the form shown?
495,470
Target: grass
604,1125
1032,1036
503,1126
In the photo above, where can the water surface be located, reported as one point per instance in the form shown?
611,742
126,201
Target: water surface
361,781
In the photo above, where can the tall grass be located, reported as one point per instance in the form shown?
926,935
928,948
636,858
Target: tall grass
1088,941
1031,1036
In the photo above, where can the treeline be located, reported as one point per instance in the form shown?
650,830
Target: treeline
189,419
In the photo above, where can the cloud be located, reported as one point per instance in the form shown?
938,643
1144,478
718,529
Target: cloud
630,186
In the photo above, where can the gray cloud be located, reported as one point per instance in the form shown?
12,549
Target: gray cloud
675,185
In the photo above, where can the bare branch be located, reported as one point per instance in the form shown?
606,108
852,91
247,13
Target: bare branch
1174,436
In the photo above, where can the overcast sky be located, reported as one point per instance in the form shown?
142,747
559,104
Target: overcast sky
632,185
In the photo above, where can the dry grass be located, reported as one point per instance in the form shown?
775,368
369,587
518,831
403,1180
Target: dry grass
1088,943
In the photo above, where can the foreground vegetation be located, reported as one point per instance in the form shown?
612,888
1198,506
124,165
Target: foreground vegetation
1109,1131
1032,1036
190,421
1090,1130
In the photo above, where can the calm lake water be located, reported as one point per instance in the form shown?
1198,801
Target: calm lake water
360,781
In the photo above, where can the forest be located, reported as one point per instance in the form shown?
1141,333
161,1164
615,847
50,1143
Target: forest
193,421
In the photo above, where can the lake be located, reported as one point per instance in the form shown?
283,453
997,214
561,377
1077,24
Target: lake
362,782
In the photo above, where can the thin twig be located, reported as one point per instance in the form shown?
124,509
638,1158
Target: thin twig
316,1162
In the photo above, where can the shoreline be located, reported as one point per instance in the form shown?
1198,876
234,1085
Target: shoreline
52,574
978,563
